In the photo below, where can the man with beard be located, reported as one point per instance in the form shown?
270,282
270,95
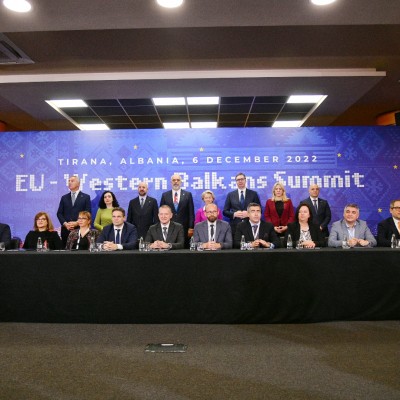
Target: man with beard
143,211
214,233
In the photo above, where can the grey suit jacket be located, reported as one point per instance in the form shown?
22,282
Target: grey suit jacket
339,230
175,235
223,233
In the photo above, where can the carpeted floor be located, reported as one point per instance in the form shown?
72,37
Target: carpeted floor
336,360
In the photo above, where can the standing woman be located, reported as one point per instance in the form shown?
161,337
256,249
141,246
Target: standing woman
43,228
303,230
279,209
208,197
107,203
81,238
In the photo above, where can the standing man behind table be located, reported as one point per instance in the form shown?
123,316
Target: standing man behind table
236,202
259,233
213,233
321,211
119,235
71,204
390,226
166,234
356,230
181,203
143,211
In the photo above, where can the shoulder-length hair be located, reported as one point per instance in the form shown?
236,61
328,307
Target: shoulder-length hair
50,226
310,218
102,204
284,197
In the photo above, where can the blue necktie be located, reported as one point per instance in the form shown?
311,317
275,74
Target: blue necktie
176,201
242,199
118,237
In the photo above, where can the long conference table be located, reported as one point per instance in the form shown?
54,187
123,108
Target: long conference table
225,287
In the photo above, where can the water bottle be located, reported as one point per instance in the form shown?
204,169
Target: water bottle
393,243
192,246
289,243
141,244
45,246
242,243
39,245
345,245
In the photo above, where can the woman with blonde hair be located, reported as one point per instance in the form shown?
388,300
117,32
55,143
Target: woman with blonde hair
81,238
42,228
208,197
279,209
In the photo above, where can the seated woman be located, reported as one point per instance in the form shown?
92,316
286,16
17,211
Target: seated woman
42,228
80,239
303,230
208,198
279,209
107,203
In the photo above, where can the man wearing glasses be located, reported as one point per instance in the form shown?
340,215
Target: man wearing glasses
237,201
213,233
390,226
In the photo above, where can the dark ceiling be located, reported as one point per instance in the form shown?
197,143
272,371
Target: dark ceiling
113,50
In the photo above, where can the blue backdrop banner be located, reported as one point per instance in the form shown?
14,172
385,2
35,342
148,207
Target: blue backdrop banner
350,164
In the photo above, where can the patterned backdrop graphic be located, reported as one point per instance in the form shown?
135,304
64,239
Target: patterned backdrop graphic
351,164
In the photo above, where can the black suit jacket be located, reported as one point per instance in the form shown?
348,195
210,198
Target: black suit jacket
185,213
175,235
232,204
144,217
386,229
316,234
128,238
266,232
5,235
323,216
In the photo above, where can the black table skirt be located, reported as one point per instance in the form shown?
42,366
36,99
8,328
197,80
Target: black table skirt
230,286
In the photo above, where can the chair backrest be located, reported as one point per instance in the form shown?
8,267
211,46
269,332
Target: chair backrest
15,243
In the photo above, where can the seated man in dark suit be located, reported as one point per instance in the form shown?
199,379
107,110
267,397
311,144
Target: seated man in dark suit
259,233
321,211
213,233
166,234
390,226
5,235
119,235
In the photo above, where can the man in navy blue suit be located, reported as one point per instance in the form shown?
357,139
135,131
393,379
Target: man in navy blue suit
390,226
237,201
181,203
119,235
71,204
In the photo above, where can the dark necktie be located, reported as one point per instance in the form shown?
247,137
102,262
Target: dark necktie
141,202
242,199
165,233
255,231
73,197
211,233
118,237
315,205
176,201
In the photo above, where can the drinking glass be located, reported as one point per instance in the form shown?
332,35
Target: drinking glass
2,246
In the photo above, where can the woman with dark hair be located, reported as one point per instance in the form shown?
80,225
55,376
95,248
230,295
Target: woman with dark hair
42,228
303,231
107,203
81,238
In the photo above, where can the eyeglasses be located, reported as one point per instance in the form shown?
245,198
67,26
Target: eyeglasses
211,212
41,219
395,208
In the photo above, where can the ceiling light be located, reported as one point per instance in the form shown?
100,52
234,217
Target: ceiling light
67,103
176,125
17,5
202,100
287,124
93,127
169,101
204,124
322,2
170,3
306,99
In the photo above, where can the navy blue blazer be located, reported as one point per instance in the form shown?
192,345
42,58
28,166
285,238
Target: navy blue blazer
128,238
266,232
386,229
144,217
68,212
185,213
323,216
232,203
